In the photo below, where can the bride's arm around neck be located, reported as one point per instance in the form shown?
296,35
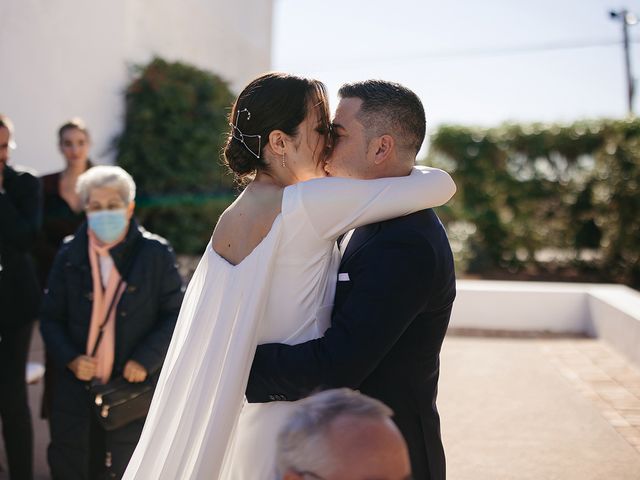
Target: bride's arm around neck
336,205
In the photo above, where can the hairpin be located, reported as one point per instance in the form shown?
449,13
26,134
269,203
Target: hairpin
238,135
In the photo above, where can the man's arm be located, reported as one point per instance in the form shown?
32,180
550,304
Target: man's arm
392,282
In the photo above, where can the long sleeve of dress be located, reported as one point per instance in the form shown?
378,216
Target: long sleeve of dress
336,205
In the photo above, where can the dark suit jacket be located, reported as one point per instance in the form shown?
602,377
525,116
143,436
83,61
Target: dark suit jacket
20,212
388,324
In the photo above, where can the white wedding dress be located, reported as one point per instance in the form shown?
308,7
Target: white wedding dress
199,426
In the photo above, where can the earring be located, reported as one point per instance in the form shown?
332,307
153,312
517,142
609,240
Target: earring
284,164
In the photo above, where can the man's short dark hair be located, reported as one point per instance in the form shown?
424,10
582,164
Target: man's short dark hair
389,108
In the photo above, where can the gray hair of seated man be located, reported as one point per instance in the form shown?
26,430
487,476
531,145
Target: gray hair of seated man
302,442
106,176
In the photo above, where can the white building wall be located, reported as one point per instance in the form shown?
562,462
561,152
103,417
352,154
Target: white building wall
66,58
608,312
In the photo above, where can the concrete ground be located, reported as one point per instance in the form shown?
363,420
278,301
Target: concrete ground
538,409
516,409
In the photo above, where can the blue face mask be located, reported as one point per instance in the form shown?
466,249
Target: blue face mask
108,225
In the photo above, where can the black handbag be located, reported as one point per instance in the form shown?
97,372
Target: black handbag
119,402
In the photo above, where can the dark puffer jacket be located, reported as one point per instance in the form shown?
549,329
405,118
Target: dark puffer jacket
19,223
145,319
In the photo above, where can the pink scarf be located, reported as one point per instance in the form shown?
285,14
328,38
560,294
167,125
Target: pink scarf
101,301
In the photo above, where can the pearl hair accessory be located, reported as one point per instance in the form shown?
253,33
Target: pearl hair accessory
238,135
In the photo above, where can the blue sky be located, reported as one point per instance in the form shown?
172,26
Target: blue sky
442,50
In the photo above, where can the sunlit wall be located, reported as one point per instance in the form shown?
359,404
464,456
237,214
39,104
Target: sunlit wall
66,58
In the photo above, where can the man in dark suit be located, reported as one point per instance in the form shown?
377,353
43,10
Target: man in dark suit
395,291
20,200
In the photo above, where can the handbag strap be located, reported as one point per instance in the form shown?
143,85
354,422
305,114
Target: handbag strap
125,272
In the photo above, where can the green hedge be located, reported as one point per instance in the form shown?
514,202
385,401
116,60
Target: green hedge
174,130
187,221
545,198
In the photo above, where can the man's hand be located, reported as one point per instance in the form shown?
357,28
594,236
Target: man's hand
83,367
134,372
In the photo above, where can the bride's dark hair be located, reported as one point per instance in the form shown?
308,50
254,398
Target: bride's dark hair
273,101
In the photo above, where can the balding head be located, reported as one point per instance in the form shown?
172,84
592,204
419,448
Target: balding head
342,435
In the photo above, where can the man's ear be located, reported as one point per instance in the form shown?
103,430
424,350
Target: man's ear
277,142
384,147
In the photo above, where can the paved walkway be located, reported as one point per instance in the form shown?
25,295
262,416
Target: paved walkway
519,409
538,409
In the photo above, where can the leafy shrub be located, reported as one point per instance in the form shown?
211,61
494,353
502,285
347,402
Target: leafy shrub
174,130
535,198
186,221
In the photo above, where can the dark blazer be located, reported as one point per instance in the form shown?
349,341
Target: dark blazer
388,324
20,216
145,319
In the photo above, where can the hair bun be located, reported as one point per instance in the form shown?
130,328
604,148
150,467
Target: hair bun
273,101
239,159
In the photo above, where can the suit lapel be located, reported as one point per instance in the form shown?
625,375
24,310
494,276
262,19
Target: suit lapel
359,239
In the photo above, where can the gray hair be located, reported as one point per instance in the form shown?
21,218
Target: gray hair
106,176
8,124
302,444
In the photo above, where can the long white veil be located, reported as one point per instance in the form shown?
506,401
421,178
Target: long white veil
201,388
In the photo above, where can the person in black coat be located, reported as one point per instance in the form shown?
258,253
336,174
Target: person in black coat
62,214
142,326
20,211
395,287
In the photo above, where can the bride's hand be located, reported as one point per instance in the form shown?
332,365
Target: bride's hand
134,372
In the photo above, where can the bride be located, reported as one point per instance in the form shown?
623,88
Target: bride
268,275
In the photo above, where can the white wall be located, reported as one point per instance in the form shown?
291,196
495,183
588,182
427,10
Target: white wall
609,312
520,306
615,317
65,58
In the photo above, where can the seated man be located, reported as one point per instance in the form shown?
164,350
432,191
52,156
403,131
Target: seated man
342,434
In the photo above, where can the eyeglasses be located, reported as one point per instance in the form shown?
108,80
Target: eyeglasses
98,208
306,473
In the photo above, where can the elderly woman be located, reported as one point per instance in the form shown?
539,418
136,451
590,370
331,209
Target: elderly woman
86,278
